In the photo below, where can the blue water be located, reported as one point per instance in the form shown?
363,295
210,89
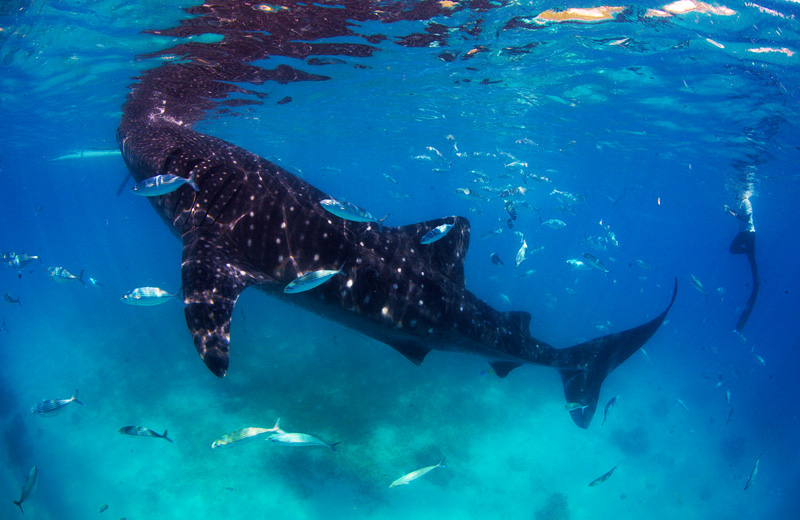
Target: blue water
651,122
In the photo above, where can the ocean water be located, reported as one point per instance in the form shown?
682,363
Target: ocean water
650,118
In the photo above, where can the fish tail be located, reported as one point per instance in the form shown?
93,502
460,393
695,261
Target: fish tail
333,446
19,505
75,398
164,436
593,360
441,462
80,277
277,426
190,182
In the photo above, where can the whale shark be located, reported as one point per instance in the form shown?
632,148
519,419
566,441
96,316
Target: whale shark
253,223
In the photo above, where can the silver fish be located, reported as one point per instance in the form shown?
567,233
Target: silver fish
30,482
299,439
575,406
139,431
147,296
52,407
349,211
18,261
88,154
245,434
162,184
310,280
682,404
414,475
578,265
609,405
697,285
61,275
435,234
602,478
522,254
554,223
752,476
595,263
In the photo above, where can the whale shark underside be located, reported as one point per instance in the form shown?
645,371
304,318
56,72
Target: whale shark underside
252,223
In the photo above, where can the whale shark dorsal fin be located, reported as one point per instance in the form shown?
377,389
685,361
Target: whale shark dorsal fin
446,255
211,284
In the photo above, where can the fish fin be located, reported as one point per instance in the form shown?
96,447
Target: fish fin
502,368
19,505
414,351
595,359
164,436
75,398
80,277
333,446
446,255
211,283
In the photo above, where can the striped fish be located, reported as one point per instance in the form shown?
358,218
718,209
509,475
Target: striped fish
52,407
141,431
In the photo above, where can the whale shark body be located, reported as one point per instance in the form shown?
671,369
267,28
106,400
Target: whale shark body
253,223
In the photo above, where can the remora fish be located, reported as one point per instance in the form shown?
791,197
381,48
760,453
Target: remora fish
348,211
140,431
147,296
61,275
752,475
30,482
435,234
254,223
609,405
602,478
310,280
51,407
162,184
245,434
414,475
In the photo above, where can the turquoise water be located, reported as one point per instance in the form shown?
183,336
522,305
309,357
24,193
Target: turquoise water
652,122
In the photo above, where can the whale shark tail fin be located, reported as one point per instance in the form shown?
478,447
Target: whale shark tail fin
593,360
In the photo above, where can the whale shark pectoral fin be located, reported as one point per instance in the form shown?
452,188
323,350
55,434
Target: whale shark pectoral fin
593,360
502,368
414,351
211,284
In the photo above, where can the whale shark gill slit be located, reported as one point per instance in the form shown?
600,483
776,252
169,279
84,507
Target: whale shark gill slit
253,223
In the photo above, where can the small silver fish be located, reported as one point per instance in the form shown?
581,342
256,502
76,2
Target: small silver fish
595,263
609,405
697,285
522,254
554,223
752,476
18,261
310,280
578,265
414,475
139,431
147,296
245,434
51,407
162,184
348,211
682,404
435,234
575,406
299,439
602,478
61,275
30,482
